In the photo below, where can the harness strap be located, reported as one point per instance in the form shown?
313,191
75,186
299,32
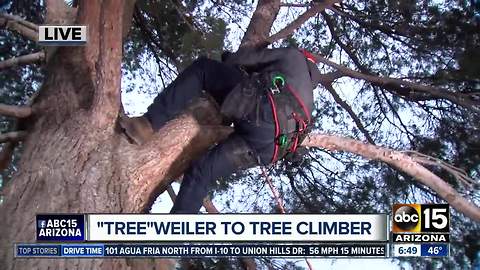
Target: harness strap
277,126
283,129
300,101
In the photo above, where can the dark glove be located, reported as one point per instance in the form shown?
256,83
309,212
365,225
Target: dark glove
297,158
225,55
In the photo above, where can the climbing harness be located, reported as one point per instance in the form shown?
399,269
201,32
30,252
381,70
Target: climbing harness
291,118
291,126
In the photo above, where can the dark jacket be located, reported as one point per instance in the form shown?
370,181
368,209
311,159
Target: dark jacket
298,71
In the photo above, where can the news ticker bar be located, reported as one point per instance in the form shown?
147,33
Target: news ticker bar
230,250
212,228
201,250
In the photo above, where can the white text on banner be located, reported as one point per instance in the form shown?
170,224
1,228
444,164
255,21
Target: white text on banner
237,227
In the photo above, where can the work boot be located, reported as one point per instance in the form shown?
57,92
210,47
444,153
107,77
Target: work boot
138,129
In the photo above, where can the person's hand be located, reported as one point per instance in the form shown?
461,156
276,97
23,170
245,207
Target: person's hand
297,158
225,55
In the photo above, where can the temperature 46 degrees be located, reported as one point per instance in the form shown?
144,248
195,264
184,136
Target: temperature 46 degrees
437,250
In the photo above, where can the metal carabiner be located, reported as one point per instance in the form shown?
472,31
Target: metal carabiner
283,140
277,82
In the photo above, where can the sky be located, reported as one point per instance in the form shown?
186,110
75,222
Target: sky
137,101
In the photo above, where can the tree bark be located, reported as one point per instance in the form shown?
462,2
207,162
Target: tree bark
75,159
261,23
15,111
316,8
12,136
25,28
22,60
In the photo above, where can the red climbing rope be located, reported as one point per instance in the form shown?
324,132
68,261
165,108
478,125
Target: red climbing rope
276,194
278,199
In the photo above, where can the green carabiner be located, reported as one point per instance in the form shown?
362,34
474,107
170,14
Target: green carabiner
283,140
278,79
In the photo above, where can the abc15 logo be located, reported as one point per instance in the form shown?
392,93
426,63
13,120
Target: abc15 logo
421,218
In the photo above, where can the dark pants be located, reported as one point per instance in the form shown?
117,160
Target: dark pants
250,144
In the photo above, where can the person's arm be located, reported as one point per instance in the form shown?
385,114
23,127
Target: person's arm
249,57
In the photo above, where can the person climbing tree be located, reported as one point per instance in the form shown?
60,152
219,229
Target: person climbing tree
266,93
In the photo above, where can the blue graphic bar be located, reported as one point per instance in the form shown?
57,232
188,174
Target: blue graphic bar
60,228
91,250
37,250
434,250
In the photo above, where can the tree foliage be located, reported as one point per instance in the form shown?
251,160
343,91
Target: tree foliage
434,43
17,84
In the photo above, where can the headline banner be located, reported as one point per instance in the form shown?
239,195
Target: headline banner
236,227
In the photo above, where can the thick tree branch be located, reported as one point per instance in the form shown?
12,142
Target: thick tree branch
312,11
459,174
15,111
13,136
350,112
103,57
261,23
153,166
23,60
59,13
19,20
127,17
19,25
9,147
293,5
329,78
400,161
413,89
6,154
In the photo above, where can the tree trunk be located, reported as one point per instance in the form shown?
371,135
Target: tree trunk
69,165
75,159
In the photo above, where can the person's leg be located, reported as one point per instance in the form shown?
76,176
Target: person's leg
216,78
229,156
251,144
